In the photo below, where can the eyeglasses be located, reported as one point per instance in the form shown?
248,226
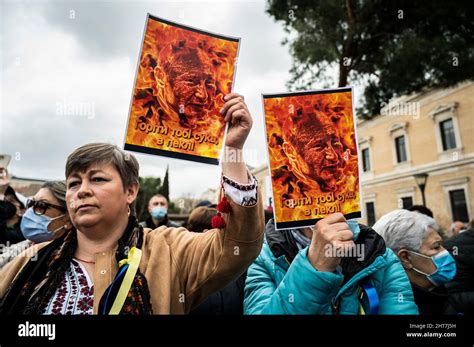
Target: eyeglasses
40,206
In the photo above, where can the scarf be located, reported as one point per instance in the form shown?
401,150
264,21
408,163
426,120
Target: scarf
301,240
37,282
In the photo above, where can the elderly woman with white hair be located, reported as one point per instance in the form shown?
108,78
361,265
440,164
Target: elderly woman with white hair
414,238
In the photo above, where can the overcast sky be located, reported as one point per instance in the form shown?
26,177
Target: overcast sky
61,53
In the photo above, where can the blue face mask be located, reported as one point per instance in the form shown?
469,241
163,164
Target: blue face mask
445,268
35,228
353,226
158,212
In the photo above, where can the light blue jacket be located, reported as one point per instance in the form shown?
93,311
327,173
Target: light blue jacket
273,286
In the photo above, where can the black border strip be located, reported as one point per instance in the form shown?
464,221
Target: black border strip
175,155
385,330
182,26
307,92
306,222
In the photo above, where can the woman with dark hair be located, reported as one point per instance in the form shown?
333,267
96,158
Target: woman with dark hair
109,264
45,219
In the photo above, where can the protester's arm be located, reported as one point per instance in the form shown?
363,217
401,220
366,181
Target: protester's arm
208,262
303,290
240,122
396,296
10,253
233,165
9,272
312,279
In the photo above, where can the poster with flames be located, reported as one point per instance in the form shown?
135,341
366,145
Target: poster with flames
182,77
313,156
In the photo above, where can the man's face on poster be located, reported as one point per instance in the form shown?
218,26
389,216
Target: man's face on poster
192,85
320,153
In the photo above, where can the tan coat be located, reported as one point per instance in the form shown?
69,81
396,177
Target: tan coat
182,268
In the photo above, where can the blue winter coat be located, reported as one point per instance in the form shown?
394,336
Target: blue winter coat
282,280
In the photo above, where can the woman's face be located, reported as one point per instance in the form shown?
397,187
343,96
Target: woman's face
432,245
44,194
97,197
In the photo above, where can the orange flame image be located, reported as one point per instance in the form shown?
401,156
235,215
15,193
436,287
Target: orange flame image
313,156
182,78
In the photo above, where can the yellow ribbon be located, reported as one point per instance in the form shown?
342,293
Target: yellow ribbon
361,308
133,261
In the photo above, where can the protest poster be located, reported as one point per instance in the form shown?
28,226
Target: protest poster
182,76
313,156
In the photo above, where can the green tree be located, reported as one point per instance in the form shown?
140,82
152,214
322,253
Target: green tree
392,47
165,187
165,191
149,186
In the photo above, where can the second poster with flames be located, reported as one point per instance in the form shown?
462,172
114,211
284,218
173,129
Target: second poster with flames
313,156
182,77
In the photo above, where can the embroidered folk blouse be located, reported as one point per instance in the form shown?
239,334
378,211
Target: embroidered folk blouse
75,294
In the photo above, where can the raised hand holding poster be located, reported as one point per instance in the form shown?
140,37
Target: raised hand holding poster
182,77
313,156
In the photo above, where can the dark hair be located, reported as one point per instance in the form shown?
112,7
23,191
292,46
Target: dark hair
205,203
103,153
200,219
11,192
422,209
58,189
7,211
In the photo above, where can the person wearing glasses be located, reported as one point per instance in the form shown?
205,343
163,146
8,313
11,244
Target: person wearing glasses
45,219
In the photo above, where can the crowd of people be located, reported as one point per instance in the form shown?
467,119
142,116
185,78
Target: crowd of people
77,247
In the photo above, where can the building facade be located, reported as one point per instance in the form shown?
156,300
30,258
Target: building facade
426,134
26,186
429,134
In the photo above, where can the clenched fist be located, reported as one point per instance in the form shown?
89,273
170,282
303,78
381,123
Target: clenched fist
330,235
240,121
